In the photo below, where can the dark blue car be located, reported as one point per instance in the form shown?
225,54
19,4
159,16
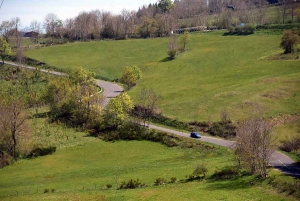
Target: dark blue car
195,135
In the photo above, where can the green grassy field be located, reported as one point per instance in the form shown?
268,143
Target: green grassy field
205,76
216,72
82,170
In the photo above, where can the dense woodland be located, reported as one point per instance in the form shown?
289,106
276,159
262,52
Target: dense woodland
158,19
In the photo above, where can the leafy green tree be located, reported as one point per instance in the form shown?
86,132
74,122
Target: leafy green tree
4,49
118,110
288,41
165,5
75,99
173,49
148,26
130,76
81,76
184,39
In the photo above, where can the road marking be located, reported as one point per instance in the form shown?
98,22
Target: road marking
282,163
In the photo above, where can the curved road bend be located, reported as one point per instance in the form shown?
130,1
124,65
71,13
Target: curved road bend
278,160
111,90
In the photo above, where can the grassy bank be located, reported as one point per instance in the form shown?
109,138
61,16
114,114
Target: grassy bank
83,171
216,72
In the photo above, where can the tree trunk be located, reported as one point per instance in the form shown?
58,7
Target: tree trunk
14,140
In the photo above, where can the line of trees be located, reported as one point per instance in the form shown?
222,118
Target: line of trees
155,20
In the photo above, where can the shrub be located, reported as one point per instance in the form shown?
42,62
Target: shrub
226,173
200,169
5,159
131,184
291,144
290,188
288,41
41,151
108,186
173,53
222,129
46,190
245,30
173,49
132,131
170,122
173,180
278,26
160,181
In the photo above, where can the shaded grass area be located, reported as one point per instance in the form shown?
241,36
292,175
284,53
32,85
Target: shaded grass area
216,72
83,172
101,163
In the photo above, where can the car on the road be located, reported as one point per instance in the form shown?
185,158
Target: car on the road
195,135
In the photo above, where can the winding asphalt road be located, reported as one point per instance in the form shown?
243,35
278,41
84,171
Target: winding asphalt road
111,90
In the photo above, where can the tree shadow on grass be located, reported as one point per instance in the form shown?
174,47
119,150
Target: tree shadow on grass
232,184
166,59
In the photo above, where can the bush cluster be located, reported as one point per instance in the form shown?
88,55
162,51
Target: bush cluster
160,181
279,26
225,129
290,188
199,173
131,184
245,30
41,151
174,123
226,173
291,145
46,190
5,159
222,129
132,131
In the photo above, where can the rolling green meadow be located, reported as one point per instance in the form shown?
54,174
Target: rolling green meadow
82,168
216,72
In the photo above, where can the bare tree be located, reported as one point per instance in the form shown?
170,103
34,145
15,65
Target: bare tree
50,24
35,27
132,23
255,144
16,23
6,30
286,7
69,27
117,25
83,24
12,120
148,103
96,23
173,47
125,16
